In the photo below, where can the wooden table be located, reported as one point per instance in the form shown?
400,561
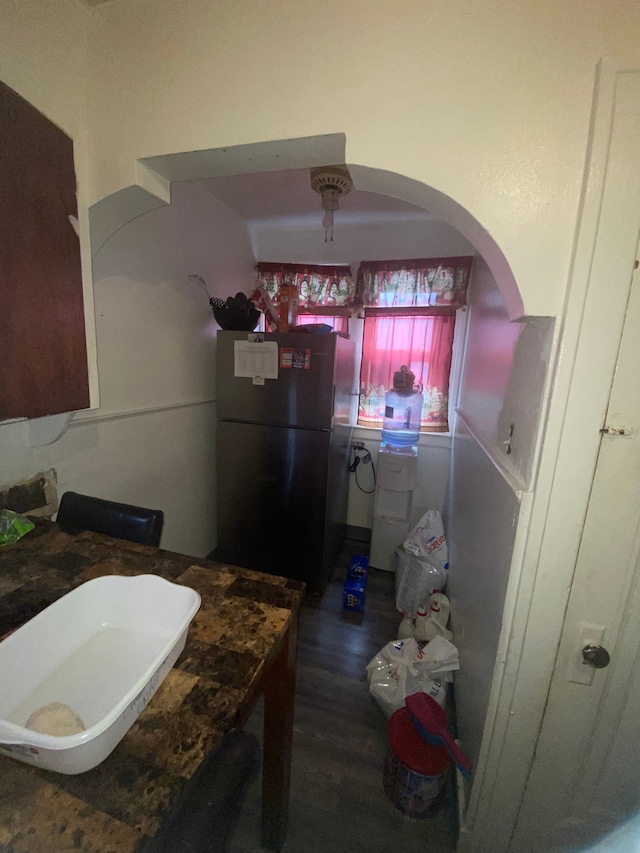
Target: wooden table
242,642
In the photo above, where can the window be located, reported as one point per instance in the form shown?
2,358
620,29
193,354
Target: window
409,318
409,312
424,344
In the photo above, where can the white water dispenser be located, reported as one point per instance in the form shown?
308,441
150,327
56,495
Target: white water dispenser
396,480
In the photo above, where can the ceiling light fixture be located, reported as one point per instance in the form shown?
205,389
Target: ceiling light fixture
330,182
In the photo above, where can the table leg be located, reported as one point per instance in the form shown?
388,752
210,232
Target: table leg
279,695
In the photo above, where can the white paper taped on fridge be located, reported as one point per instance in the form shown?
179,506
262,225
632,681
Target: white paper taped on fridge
255,359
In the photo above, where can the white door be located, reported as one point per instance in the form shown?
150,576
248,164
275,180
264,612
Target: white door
585,778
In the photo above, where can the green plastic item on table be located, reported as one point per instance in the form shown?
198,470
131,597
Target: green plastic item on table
13,526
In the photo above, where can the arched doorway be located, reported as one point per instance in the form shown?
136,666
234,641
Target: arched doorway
503,385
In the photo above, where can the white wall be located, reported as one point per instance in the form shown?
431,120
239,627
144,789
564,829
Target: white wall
489,102
503,382
481,527
156,332
152,442
504,371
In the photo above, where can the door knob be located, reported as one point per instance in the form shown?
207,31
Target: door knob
595,656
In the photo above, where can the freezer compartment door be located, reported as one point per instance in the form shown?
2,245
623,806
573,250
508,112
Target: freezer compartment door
272,492
302,395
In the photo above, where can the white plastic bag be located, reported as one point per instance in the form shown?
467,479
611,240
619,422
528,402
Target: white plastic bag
416,578
422,563
427,539
405,667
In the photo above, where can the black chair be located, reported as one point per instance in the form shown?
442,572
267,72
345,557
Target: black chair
209,805
134,523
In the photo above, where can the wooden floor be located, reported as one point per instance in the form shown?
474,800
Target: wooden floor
337,801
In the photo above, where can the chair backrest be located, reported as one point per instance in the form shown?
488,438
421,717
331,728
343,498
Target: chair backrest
124,521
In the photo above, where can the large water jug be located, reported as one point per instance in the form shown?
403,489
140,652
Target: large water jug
402,410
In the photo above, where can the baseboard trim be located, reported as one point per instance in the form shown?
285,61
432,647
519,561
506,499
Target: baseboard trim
361,534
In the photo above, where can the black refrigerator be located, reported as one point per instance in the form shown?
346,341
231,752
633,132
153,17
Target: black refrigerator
283,449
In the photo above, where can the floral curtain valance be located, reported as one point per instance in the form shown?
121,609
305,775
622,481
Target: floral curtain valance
417,283
319,287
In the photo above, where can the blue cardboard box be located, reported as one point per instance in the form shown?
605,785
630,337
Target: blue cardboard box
353,595
358,568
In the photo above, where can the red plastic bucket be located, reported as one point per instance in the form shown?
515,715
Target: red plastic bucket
414,770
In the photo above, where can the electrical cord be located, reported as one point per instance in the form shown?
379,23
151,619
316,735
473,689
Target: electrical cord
354,470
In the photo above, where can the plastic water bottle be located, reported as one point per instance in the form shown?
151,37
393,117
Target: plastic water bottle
402,410
421,630
405,631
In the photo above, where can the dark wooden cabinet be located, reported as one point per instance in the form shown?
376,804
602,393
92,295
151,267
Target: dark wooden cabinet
43,359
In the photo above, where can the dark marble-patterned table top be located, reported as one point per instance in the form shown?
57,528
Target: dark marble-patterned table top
232,640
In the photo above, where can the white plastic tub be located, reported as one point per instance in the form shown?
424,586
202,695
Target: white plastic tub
103,649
